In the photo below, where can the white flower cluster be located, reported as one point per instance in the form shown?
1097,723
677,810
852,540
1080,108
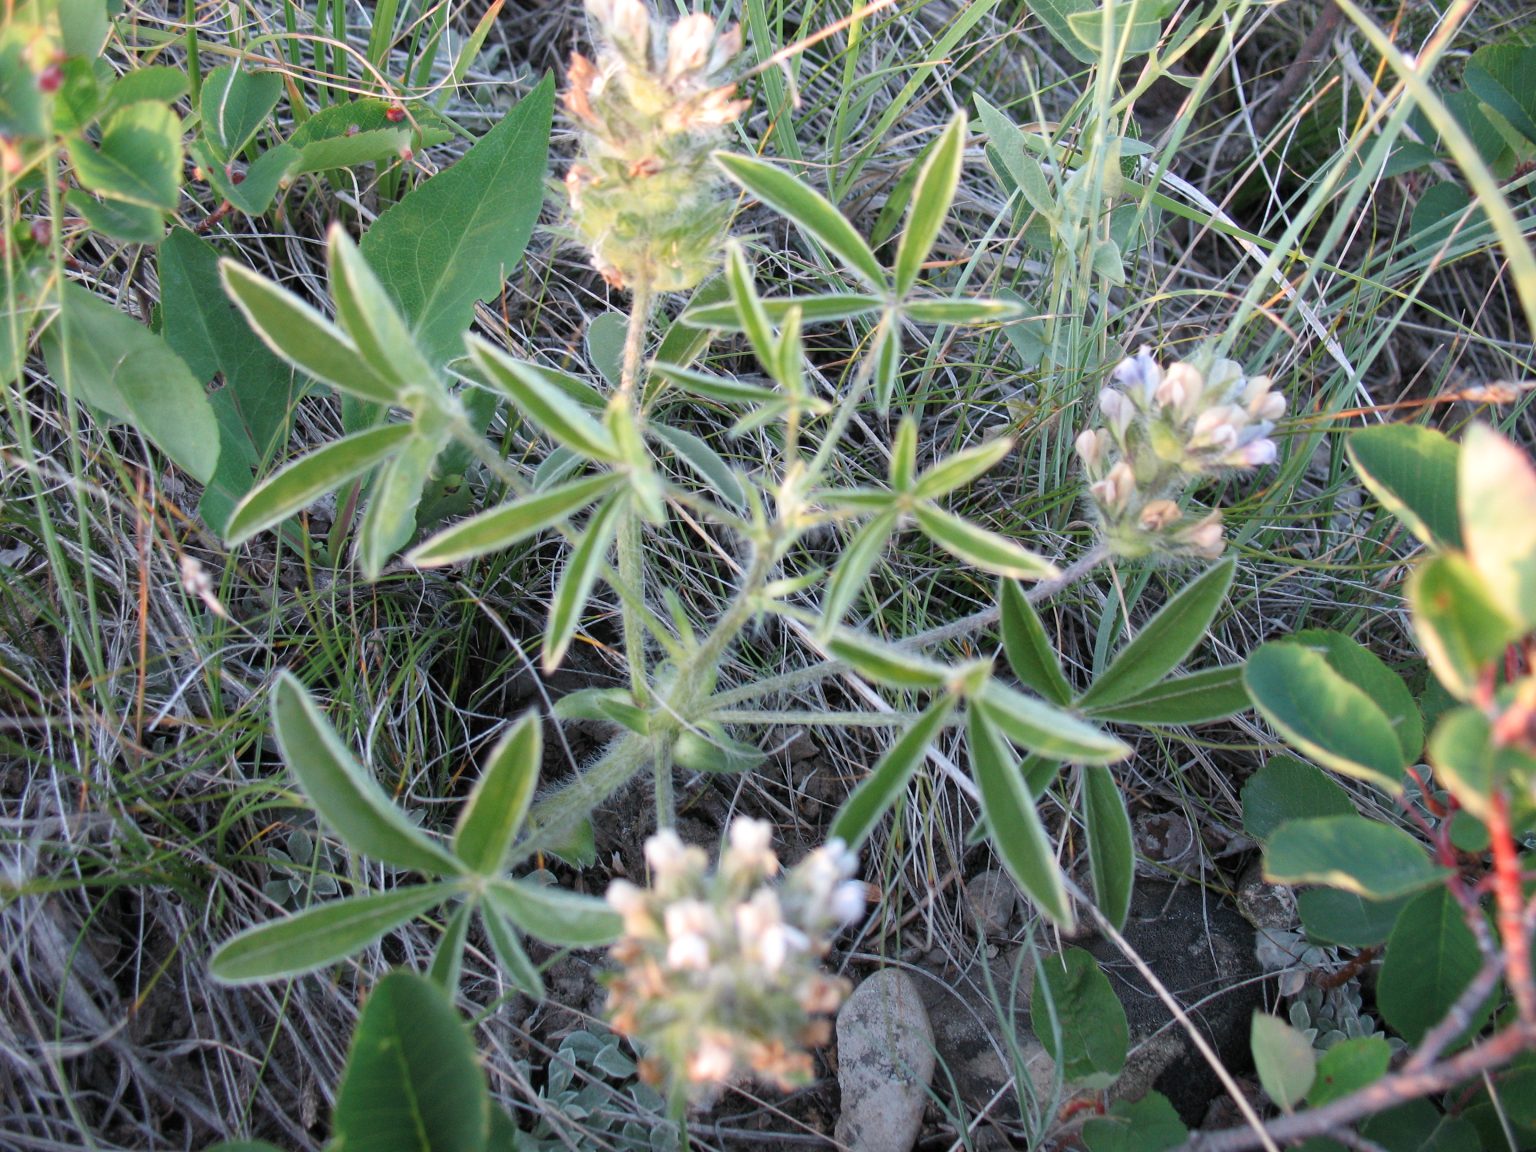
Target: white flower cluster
719,971
649,112
1162,429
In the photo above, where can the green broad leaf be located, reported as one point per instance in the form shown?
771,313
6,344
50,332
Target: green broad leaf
616,705
369,114
1008,810
319,936
963,312
342,791
368,315
1164,641
1412,471
605,338
723,389
77,102
304,338
810,211
331,152
567,919
704,462
1349,1066
413,1081
825,309
1078,25
84,26
1111,852
512,960
509,523
1147,1125
1007,145
448,958
124,370
130,223
1211,694
254,190
499,803
1498,491
235,104
962,468
575,584
1047,730
456,238
1500,76
1029,651
1365,670
1420,1126
1289,789
1371,859
852,573
1460,629
208,332
931,198
1286,1064
878,793
390,520
1324,715
1078,1018
161,83
539,394
1333,916
886,664
304,481
1431,958
138,160
981,548
1463,754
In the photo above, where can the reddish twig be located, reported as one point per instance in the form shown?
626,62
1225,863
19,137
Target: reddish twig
1509,905
1385,1093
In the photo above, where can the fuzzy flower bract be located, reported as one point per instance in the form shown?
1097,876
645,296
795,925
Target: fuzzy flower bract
719,971
649,111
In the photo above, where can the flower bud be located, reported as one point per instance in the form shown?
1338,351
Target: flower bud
1158,514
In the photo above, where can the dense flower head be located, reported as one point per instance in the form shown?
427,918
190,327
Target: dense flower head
1162,429
645,199
720,975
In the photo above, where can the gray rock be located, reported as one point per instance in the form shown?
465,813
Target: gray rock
885,1061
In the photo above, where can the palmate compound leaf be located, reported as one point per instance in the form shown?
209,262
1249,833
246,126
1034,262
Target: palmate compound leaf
514,521
539,393
1111,850
1165,640
310,477
812,212
1008,811
1047,730
343,792
931,198
304,338
319,936
879,792
412,1081
1029,650
496,807
555,915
